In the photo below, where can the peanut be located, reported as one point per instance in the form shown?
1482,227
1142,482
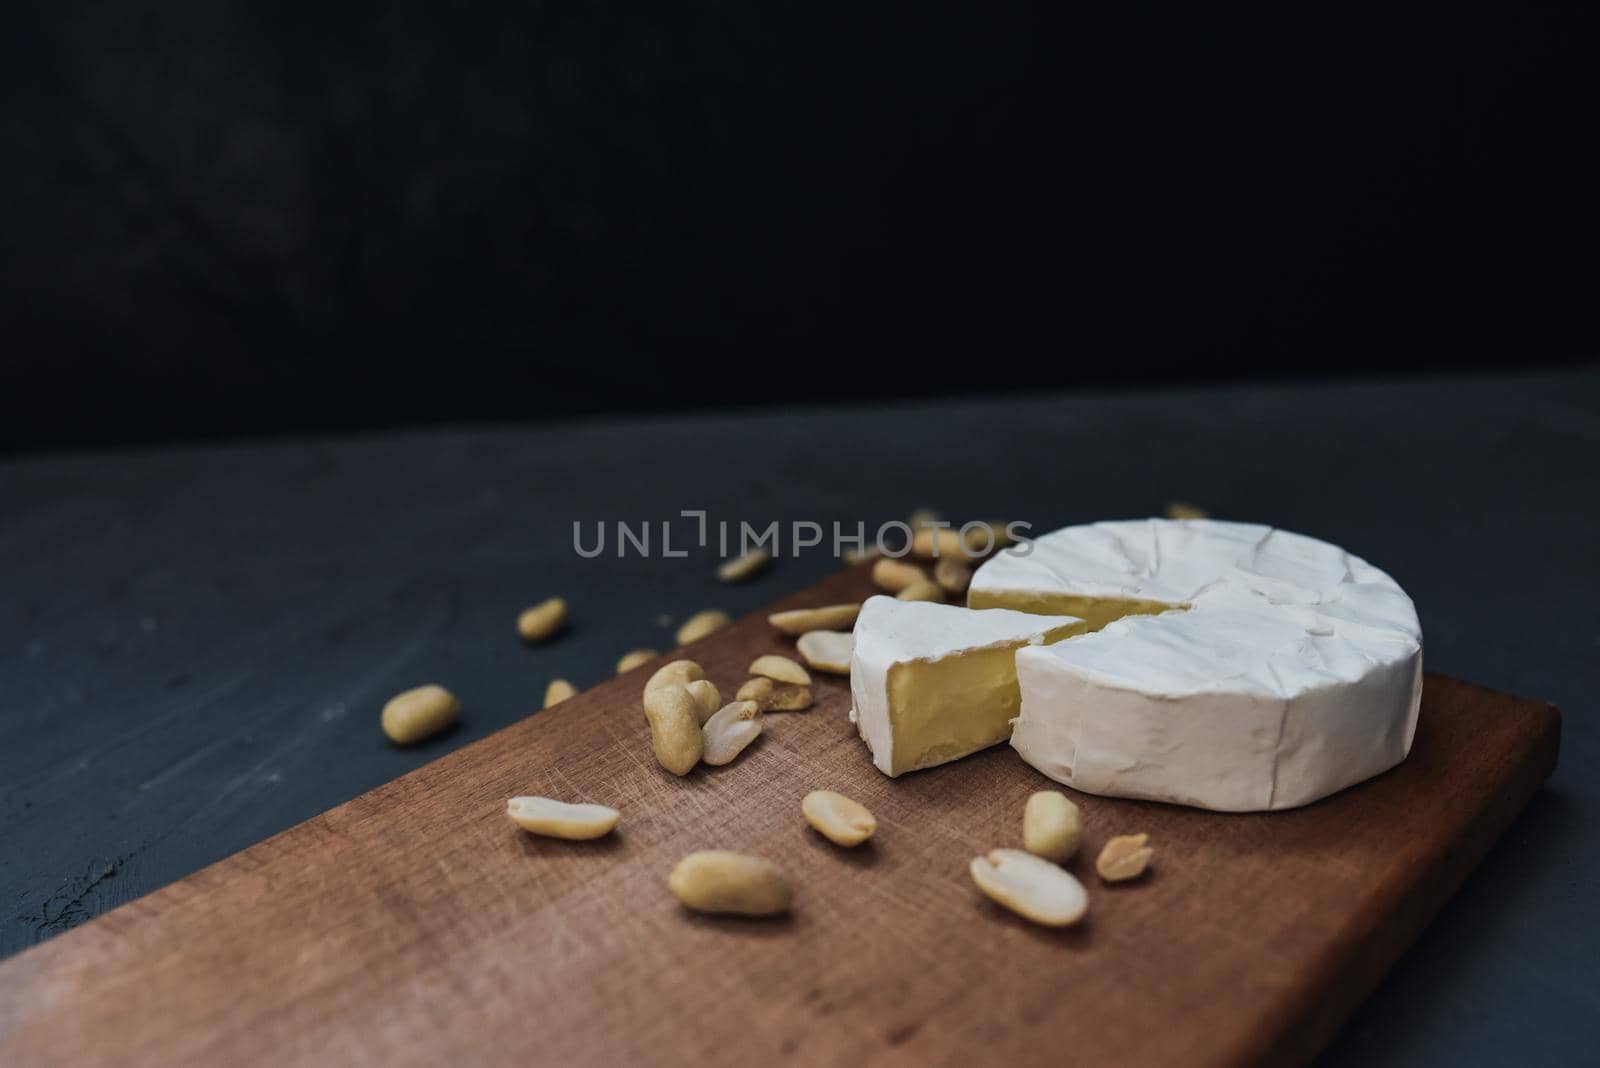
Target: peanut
1051,826
707,698
953,574
837,818
701,691
775,696
1182,510
674,728
921,590
780,669
701,624
721,881
742,567
827,650
1033,888
892,576
542,620
937,542
862,555
829,617
635,659
558,690
558,819
981,536
679,672
688,674
729,731
1124,857
420,713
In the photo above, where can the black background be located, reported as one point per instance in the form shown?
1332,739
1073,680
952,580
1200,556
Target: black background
231,217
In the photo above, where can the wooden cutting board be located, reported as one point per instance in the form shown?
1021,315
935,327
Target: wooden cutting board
415,925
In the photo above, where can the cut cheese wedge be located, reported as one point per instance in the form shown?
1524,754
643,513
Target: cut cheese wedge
1234,666
933,682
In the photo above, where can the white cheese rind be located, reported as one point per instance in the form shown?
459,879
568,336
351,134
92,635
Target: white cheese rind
890,632
1295,671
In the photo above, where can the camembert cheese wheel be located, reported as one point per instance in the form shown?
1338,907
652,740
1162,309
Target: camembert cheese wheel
1231,666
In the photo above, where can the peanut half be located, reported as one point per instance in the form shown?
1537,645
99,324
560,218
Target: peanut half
690,676
701,624
558,690
1183,510
742,567
1124,857
921,590
558,819
410,717
892,576
1033,888
1052,826
674,727
635,659
707,698
780,669
775,696
729,731
829,617
984,535
678,672
934,542
827,650
542,620
837,818
953,574
723,882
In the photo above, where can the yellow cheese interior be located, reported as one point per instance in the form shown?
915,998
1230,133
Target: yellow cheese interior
943,709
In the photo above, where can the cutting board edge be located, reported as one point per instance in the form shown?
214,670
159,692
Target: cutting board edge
1396,929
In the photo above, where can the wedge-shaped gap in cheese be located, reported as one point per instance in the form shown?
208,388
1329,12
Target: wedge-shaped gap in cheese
1096,612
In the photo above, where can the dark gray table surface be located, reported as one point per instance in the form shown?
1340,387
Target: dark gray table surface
195,642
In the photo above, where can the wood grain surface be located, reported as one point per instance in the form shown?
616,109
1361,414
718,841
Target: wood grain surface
416,925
